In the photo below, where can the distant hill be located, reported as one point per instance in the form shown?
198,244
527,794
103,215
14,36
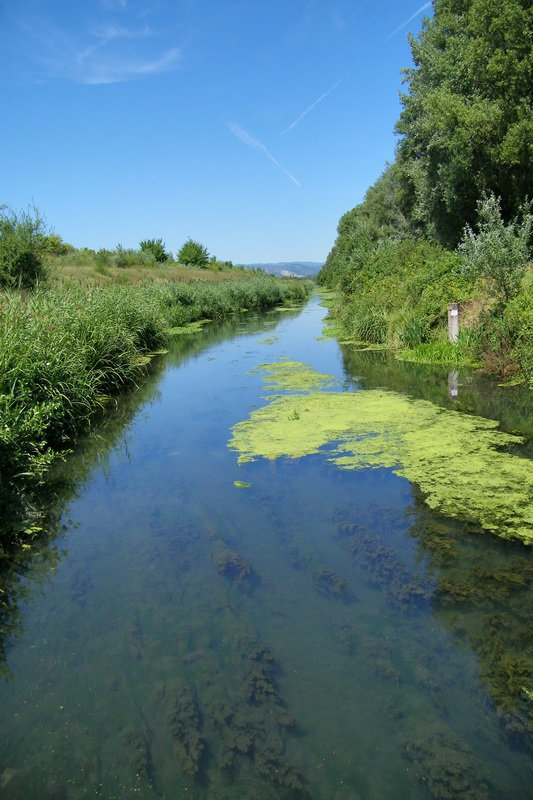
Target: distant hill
296,269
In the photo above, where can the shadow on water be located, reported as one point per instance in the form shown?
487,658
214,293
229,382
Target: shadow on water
320,634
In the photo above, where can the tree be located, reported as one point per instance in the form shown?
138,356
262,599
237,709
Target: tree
21,237
155,247
193,254
467,121
377,219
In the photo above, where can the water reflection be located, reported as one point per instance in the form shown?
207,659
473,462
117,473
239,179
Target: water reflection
453,385
512,406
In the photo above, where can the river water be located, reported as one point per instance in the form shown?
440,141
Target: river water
177,636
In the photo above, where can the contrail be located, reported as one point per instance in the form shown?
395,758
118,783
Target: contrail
407,21
310,108
255,144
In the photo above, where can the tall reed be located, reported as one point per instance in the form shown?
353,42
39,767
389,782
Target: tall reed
64,351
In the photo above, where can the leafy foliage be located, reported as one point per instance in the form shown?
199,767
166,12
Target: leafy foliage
156,248
498,251
21,237
193,254
467,121
465,153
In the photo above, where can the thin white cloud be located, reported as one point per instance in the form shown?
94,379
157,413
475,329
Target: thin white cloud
310,108
109,33
110,55
255,144
104,72
109,44
407,21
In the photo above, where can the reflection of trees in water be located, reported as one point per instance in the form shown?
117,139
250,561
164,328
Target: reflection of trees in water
477,394
31,528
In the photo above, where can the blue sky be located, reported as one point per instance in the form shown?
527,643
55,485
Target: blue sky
249,125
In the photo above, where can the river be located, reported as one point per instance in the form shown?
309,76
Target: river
196,627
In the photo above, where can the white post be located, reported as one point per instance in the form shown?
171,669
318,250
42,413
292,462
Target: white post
453,322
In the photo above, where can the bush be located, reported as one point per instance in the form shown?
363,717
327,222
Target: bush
156,248
21,237
498,251
193,254
504,338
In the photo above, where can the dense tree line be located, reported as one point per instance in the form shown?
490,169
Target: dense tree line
460,178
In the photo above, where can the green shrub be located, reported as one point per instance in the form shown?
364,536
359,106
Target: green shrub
498,251
156,248
21,237
399,295
193,254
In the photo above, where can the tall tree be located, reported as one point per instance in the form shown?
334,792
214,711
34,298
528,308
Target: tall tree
467,121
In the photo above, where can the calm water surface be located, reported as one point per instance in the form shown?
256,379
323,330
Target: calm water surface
320,634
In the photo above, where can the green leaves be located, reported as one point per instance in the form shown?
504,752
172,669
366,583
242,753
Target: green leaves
193,254
498,251
156,248
467,121
21,237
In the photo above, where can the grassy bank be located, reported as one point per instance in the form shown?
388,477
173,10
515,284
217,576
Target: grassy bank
397,293
66,350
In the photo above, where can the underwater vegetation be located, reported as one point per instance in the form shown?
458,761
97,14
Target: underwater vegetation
485,604
185,727
460,462
445,764
406,589
232,565
328,583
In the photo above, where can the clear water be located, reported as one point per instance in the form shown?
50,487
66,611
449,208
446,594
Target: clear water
320,634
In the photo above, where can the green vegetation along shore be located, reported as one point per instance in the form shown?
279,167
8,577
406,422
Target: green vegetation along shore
450,220
68,346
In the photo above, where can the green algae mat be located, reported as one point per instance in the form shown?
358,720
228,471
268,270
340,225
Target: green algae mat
461,462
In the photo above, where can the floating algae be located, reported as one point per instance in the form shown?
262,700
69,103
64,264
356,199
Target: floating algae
242,484
293,376
457,460
269,340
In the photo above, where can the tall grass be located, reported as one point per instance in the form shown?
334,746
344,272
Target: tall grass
64,351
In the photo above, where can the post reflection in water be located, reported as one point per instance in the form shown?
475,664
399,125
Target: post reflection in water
453,385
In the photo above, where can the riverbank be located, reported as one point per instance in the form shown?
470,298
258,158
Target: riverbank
66,351
397,296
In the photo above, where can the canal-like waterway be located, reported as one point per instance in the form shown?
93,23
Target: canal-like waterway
313,633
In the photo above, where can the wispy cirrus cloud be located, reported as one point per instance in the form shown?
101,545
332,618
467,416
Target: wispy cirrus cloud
407,21
98,49
255,144
117,70
310,108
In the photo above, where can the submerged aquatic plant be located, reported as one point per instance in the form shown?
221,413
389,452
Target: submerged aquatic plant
459,461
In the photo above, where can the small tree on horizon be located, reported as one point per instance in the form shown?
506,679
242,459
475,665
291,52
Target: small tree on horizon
156,247
194,254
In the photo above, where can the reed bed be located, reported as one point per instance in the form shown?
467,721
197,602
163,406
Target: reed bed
64,351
